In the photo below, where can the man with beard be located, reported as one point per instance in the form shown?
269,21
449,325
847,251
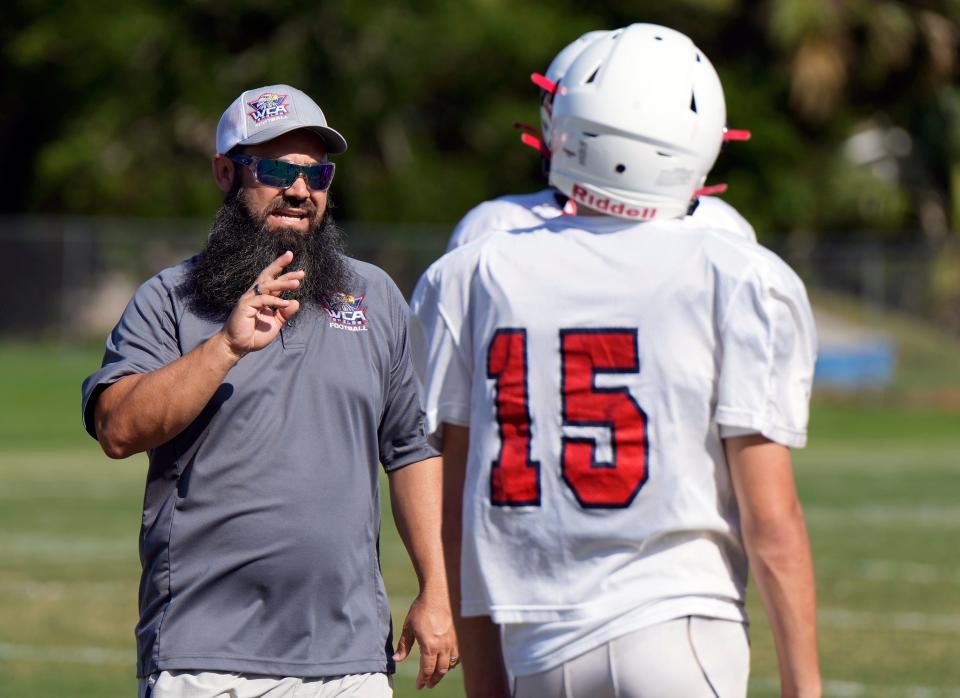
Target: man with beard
267,378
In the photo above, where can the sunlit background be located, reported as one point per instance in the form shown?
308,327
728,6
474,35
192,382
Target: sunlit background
852,175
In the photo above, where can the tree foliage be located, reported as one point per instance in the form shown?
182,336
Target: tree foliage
112,108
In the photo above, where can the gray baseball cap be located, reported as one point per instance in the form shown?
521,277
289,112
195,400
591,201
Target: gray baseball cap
264,113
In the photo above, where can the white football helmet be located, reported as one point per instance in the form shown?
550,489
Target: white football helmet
637,123
549,81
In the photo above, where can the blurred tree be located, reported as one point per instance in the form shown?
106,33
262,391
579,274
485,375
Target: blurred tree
112,108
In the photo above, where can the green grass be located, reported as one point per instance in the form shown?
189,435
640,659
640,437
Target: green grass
878,484
41,390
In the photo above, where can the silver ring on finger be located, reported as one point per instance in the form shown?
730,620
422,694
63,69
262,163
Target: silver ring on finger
454,660
256,289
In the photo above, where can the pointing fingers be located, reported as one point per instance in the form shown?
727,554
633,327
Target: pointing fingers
275,267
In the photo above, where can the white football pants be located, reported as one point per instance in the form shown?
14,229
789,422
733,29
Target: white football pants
692,657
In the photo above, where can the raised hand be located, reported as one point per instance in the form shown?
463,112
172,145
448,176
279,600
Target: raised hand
260,313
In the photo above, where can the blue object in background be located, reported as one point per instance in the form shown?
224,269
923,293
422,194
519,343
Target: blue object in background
869,363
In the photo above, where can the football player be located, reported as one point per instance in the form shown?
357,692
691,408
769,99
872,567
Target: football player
526,210
616,394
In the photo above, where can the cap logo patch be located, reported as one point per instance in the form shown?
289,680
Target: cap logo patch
347,312
268,106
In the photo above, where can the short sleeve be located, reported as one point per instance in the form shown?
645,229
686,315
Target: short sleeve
441,359
144,340
473,226
401,434
716,213
769,344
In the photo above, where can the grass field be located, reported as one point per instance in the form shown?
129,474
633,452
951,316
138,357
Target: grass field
879,485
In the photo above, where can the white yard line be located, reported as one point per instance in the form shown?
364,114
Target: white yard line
919,515
51,494
57,590
65,654
854,689
888,460
891,570
65,547
908,621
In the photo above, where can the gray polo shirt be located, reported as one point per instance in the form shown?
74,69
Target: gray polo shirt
259,540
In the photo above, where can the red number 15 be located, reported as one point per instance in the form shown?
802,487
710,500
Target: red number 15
585,354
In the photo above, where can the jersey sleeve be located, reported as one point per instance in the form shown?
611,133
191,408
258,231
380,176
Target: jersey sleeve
401,433
474,225
440,349
717,213
144,340
769,345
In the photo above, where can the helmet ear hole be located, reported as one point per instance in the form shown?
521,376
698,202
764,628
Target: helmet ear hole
593,76
621,168
693,103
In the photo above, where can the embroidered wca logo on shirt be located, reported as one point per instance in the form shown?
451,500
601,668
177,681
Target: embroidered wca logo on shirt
347,313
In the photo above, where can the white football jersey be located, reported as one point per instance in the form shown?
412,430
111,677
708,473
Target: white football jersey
506,213
714,212
598,362
531,210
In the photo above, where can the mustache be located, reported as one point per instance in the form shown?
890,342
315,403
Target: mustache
305,205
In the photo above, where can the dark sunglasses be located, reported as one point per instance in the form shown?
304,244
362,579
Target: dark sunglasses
283,174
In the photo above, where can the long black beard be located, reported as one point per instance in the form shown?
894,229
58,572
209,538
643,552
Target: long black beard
240,247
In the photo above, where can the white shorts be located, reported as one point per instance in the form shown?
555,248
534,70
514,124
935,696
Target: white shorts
208,684
693,657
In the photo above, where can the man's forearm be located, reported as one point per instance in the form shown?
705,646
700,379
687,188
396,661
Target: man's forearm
783,569
484,672
142,411
775,538
415,492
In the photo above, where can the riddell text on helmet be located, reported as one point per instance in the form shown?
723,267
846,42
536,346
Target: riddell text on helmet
581,195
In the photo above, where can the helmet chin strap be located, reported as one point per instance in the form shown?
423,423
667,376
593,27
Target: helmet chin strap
709,191
543,82
535,143
736,134
533,138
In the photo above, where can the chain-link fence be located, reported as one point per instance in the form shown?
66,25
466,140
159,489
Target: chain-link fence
69,278
73,276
